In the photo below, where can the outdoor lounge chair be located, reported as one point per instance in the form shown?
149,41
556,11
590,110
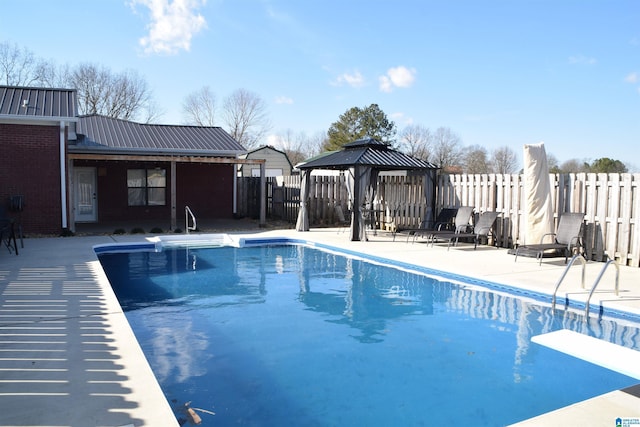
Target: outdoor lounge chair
444,221
461,223
484,227
567,238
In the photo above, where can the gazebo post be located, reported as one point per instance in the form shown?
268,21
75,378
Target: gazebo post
357,216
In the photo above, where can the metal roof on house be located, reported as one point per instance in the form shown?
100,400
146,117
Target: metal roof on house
33,103
367,152
100,134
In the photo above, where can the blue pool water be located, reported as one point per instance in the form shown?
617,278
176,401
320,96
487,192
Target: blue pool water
292,335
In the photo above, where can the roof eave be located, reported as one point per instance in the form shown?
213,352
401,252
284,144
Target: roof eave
35,120
153,151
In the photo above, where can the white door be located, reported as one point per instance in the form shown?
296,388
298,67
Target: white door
85,195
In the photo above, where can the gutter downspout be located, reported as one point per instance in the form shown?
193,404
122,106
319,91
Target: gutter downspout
63,176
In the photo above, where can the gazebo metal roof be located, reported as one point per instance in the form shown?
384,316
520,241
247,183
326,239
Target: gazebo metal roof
367,152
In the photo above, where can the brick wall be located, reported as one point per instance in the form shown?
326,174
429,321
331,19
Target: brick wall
206,188
30,166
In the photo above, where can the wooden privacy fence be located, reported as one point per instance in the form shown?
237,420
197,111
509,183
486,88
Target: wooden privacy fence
610,202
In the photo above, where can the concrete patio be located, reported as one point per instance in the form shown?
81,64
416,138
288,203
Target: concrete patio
69,358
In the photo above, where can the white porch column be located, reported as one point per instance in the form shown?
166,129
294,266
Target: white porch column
63,175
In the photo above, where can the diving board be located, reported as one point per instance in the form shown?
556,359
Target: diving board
620,359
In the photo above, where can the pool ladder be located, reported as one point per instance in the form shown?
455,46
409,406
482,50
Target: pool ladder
189,215
593,287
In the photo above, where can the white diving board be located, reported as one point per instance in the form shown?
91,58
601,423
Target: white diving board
620,359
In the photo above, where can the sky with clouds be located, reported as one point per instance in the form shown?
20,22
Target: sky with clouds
496,72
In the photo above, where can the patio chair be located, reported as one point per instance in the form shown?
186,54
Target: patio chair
483,228
566,239
444,221
461,223
7,231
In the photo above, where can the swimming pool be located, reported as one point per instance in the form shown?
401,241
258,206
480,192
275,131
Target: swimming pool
290,334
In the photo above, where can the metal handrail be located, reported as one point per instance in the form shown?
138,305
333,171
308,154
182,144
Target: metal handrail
187,214
566,270
593,288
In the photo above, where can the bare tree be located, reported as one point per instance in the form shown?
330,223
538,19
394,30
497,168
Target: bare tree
574,166
199,107
315,143
122,95
416,141
504,160
292,144
18,66
552,163
152,112
447,149
300,146
245,115
100,91
476,160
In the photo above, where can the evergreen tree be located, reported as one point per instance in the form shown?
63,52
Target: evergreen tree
357,123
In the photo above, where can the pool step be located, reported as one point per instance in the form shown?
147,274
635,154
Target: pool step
620,359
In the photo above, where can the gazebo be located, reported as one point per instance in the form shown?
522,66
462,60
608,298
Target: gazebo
363,160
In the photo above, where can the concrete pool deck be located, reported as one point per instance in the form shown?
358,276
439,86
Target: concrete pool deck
69,358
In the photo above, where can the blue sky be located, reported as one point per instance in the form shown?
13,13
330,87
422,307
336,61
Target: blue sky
497,73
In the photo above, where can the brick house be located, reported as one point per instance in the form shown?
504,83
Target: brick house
70,169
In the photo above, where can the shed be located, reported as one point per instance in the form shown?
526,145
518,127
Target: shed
364,159
277,162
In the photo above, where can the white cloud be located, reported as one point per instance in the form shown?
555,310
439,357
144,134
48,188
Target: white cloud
283,100
632,78
397,77
354,80
173,24
385,84
582,60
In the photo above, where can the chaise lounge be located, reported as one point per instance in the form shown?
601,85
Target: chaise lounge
444,221
566,239
461,223
484,227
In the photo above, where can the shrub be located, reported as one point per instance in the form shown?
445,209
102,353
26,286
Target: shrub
67,233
